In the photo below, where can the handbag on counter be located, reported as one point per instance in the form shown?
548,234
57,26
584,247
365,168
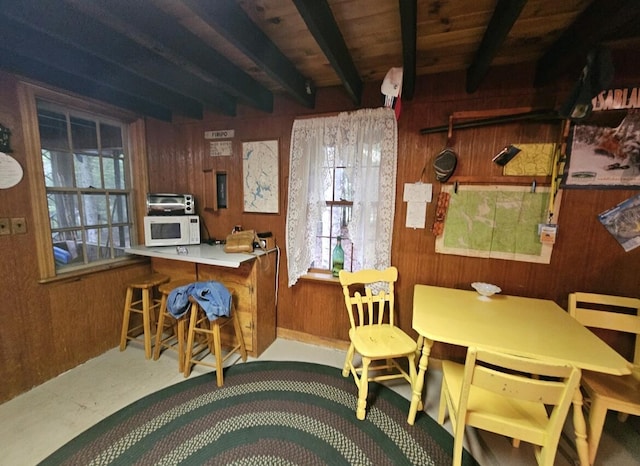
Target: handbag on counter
241,241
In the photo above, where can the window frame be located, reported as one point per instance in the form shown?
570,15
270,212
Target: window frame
134,142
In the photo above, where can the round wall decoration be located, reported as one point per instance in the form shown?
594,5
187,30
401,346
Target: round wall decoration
10,171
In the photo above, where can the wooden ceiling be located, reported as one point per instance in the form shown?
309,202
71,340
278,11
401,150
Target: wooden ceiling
160,57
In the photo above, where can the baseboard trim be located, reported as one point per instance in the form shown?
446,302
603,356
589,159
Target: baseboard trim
302,337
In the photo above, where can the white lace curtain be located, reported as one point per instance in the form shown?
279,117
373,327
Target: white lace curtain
367,141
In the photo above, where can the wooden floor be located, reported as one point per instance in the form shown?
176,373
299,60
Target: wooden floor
35,424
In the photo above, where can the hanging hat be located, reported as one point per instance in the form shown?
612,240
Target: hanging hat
392,83
596,77
445,164
391,88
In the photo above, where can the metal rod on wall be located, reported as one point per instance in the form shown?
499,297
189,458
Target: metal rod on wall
539,115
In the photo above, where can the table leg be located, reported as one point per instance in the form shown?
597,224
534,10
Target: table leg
580,428
417,390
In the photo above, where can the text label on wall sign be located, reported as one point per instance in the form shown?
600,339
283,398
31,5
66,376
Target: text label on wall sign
220,134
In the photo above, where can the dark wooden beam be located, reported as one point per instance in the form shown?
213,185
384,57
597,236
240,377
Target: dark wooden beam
230,21
599,22
408,23
45,49
319,19
156,30
67,24
28,67
504,16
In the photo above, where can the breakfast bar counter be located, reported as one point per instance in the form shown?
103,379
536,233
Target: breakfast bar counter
198,253
251,278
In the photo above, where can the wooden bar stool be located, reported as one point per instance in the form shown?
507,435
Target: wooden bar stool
200,325
171,332
146,305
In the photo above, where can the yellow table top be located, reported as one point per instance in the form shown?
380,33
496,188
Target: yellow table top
529,327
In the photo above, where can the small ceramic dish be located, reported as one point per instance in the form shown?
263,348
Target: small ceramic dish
486,289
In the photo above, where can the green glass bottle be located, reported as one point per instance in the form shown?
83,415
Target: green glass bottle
337,258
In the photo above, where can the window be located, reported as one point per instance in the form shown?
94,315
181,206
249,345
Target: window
336,214
85,171
83,202
342,174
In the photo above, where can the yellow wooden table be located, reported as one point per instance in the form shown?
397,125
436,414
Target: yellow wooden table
536,328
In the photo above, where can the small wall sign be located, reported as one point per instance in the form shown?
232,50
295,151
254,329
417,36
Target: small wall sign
5,135
220,134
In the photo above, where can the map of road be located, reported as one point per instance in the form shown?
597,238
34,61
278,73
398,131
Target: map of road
260,176
499,222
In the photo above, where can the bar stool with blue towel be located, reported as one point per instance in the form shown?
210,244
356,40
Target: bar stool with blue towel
210,305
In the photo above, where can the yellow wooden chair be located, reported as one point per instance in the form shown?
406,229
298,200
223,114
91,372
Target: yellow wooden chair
604,392
521,398
373,334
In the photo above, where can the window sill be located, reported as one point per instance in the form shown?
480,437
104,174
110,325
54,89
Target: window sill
322,277
79,273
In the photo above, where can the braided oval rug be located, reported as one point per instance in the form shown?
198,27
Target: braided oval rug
267,413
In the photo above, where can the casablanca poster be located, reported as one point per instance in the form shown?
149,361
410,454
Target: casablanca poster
604,151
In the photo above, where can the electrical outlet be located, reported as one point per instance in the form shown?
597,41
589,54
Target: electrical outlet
18,225
4,226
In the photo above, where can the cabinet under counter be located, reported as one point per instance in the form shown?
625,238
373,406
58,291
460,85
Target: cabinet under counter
250,278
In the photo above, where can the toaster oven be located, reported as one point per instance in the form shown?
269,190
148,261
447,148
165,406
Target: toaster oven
170,204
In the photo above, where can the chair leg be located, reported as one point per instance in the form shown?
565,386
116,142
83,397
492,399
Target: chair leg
160,329
125,318
413,375
190,337
146,319
346,369
457,449
181,344
443,403
217,348
597,415
363,389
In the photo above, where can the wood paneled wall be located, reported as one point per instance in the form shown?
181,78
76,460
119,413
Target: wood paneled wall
585,255
49,328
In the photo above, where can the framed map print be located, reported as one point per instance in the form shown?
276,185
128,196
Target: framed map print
260,166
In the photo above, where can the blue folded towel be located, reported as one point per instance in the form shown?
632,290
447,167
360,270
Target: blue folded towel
213,297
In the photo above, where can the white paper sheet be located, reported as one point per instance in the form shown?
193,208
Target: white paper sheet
416,214
417,192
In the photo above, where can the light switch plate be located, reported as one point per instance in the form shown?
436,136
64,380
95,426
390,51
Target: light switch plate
18,225
5,226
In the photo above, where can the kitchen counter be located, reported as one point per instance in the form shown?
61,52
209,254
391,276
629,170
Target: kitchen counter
251,279
211,254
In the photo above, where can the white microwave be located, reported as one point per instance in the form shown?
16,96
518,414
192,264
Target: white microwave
171,230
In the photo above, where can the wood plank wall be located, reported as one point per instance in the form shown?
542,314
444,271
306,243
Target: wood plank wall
585,256
49,328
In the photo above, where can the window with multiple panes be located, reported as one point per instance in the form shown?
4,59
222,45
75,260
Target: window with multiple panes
87,183
336,215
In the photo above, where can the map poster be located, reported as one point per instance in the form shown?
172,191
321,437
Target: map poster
497,222
623,222
260,164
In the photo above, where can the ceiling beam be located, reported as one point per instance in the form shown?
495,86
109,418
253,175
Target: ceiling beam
504,16
228,19
597,23
319,19
408,24
48,50
28,67
62,21
151,27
